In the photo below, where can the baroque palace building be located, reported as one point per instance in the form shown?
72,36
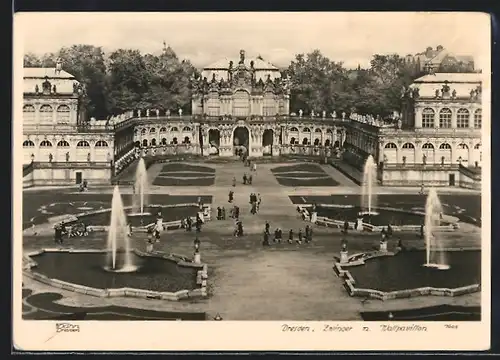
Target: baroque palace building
242,106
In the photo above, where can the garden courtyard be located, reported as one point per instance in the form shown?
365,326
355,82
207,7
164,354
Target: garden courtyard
246,281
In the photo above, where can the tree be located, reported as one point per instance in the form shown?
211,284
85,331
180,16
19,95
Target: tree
31,60
86,63
317,83
127,80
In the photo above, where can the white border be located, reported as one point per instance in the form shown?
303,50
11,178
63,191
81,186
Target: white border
242,335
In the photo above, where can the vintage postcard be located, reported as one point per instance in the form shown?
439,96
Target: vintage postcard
251,181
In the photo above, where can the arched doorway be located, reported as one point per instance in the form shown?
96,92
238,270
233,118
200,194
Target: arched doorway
241,140
267,142
214,141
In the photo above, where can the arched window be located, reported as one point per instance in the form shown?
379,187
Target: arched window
292,129
305,141
63,143
292,140
101,143
327,142
83,144
174,129
318,130
186,129
63,114
427,146
463,146
143,132
316,142
29,113
408,146
463,118
45,144
46,113
445,146
174,141
186,140
145,142
477,146
478,118
306,130
163,130
164,141
152,130
329,131
153,142
390,146
445,118
428,116
28,143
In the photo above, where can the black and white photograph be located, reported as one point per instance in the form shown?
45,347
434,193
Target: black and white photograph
251,181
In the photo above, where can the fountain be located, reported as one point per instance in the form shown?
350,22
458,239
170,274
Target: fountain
141,184
368,193
435,256
118,233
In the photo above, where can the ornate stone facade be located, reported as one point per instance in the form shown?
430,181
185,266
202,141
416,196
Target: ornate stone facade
438,139
54,141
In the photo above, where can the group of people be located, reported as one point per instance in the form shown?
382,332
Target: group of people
305,237
187,223
76,230
83,186
255,201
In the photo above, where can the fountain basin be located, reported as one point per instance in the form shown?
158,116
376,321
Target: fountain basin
157,275
403,275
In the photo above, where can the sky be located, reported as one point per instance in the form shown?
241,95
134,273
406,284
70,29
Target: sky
203,38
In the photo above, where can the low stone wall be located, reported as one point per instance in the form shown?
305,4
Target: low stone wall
451,225
169,225
349,283
201,278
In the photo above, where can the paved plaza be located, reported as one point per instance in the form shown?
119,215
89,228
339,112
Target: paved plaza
246,280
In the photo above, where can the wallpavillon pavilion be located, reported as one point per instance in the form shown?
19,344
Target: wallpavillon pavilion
242,106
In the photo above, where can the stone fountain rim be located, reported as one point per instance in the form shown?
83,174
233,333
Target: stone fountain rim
201,277
349,282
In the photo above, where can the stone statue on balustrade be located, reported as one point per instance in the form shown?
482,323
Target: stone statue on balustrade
312,113
167,113
139,113
157,113
301,112
147,113
400,123
343,115
324,114
180,112
334,115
